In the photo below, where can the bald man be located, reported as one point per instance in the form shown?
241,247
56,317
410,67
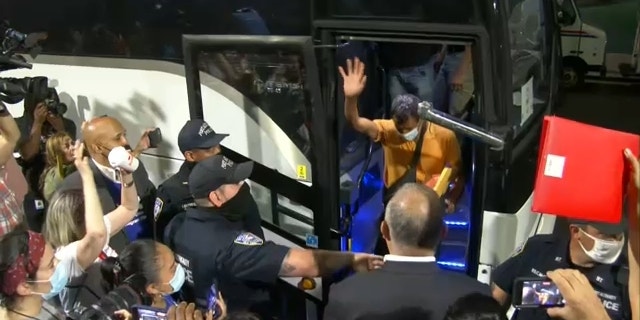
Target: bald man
410,285
100,136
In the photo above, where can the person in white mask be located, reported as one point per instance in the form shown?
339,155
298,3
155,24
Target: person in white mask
415,151
597,242
597,250
401,135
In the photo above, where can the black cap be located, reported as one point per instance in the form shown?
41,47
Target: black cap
605,228
197,134
213,172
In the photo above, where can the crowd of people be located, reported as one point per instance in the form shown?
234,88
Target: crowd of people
94,230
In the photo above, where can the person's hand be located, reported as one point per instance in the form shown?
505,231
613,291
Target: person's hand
80,161
222,306
123,315
144,144
187,312
635,166
354,78
450,206
581,301
55,120
363,262
457,81
40,114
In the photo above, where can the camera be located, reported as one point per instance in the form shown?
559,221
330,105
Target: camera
13,90
53,104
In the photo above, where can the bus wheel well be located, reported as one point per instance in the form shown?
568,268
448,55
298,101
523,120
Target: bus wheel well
574,70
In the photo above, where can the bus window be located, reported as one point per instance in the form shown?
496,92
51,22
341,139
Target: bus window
273,96
569,14
531,60
146,29
436,11
262,195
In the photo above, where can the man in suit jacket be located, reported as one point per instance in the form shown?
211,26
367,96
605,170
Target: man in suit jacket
410,285
100,136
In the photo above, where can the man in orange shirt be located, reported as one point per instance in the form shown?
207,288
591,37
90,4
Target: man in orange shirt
401,135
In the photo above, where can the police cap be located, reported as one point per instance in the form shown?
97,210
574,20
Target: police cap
197,134
212,173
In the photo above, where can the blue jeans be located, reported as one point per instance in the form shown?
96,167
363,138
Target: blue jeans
445,99
417,80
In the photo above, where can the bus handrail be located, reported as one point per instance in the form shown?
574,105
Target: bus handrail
427,112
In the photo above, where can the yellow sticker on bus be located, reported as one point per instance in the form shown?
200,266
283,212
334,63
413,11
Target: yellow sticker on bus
302,172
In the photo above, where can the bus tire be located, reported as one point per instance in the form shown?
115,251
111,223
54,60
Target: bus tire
573,72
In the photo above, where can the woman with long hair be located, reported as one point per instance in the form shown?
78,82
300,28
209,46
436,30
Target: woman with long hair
69,215
59,163
150,267
30,271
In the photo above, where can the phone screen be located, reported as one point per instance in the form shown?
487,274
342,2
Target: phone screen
148,313
531,293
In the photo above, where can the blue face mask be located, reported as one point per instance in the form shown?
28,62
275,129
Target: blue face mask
178,279
58,280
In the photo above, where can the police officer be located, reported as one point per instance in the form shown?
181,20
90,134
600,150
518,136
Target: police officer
216,250
595,249
198,141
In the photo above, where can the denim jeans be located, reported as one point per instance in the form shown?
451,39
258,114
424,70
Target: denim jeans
417,80
444,98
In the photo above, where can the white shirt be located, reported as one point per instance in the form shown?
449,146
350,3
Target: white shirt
392,257
108,172
70,253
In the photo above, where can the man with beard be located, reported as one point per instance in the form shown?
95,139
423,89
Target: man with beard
198,141
100,136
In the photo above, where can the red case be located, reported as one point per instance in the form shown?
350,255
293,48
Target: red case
582,172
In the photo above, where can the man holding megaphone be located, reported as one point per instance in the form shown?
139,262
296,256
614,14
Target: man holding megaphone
106,143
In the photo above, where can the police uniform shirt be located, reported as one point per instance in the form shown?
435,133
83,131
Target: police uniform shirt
172,197
544,253
215,250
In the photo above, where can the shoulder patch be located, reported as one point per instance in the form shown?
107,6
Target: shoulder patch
519,249
157,208
248,239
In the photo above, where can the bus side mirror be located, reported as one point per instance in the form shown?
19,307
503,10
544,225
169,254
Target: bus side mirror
564,19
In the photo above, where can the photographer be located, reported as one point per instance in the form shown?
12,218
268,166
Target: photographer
42,118
10,210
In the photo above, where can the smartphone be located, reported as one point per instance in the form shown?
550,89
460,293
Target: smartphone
536,293
155,137
212,300
148,313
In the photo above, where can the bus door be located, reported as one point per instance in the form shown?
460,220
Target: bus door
361,161
400,45
272,84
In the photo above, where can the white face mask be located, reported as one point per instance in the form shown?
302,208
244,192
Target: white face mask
411,135
603,251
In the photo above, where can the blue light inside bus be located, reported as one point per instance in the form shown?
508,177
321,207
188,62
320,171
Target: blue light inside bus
365,229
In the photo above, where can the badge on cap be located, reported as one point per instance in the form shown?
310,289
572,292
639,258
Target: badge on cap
157,207
248,239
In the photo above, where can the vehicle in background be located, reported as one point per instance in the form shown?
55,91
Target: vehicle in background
583,46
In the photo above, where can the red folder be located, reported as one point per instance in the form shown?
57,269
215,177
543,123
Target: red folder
582,172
